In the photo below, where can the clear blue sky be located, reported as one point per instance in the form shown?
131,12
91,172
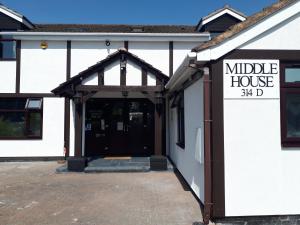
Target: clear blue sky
127,11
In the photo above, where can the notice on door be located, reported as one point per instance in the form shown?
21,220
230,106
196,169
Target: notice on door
250,79
120,126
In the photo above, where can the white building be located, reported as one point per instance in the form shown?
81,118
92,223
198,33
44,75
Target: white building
222,103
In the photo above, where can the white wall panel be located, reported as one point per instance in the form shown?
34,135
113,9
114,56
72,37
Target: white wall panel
185,160
133,75
154,53
284,36
86,54
151,80
42,70
112,74
8,77
52,143
91,80
261,178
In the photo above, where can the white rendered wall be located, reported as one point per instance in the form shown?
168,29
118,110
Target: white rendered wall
185,160
133,74
52,143
91,80
8,76
154,53
86,54
180,51
42,70
151,80
112,74
261,178
284,36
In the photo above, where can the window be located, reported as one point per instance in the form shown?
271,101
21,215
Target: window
7,48
178,102
290,104
21,118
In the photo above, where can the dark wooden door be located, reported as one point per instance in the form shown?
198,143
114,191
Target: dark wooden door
140,127
96,123
123,127
117,143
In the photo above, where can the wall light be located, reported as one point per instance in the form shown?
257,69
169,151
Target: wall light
44,45
107,43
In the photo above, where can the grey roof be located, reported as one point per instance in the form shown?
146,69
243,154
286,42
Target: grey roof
249,22
113,28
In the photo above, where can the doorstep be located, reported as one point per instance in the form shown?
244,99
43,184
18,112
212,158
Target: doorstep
111,165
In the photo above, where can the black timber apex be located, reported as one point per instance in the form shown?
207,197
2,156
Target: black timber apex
68,88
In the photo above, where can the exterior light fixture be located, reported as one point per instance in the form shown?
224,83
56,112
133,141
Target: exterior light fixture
44,45
107,43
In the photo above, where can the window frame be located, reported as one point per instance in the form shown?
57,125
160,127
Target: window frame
285,89
180,120
9,40
27,113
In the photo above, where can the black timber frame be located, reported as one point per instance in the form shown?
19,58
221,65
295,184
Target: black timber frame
73,89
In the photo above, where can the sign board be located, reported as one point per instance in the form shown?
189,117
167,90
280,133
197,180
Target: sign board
251,79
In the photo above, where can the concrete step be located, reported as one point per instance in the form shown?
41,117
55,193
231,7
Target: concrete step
115,169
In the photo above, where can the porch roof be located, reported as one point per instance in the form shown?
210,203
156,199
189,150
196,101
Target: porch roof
68,88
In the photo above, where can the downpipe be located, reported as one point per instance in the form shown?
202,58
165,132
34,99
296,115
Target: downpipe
208,205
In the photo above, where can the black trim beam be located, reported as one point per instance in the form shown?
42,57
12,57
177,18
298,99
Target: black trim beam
68,68
78,129
95,88
30,159
27,95
18,66
126,45
67,104
144,77
101,77
123,68
171,58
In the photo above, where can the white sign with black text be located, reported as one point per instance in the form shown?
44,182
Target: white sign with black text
251,78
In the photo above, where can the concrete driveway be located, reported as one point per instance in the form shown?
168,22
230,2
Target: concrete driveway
33,194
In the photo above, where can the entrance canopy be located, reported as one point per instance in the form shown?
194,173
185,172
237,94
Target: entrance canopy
120,72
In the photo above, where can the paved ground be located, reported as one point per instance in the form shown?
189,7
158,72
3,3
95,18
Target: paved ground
33,194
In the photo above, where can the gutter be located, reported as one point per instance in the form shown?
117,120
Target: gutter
184,71
190,37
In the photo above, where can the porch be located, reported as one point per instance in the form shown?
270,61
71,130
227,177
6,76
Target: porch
118,110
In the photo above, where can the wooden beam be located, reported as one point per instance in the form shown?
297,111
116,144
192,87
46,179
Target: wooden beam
126,44
144,77
67,104
171,56
78,130
158,130
101,77
123,68
96,88
18,66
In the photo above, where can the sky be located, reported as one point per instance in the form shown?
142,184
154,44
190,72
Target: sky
186,12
